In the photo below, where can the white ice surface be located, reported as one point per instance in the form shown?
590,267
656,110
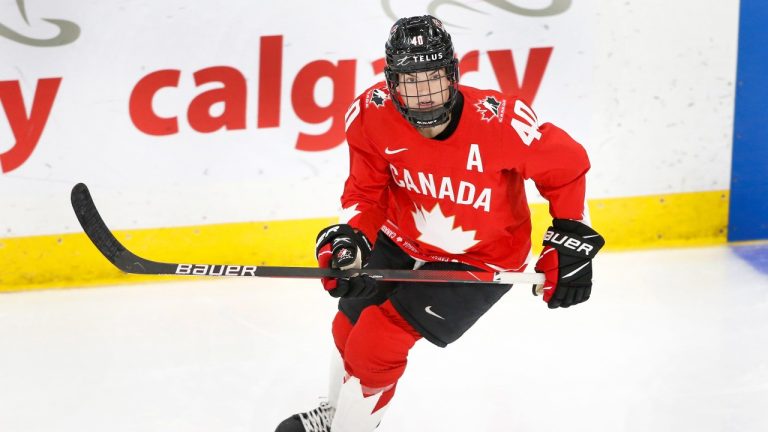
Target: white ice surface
673,340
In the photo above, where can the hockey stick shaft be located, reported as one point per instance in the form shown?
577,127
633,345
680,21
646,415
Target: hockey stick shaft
128,262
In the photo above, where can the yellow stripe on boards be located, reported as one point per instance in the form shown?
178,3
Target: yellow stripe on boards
72,260
68,260
672,220
658,221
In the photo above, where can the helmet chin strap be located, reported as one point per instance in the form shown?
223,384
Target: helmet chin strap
428,119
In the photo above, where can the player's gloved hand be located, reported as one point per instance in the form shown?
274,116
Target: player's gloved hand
566,261
343,247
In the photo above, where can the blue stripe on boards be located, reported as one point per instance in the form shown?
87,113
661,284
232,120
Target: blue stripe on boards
748,218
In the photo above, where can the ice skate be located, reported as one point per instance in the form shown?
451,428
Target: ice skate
316,420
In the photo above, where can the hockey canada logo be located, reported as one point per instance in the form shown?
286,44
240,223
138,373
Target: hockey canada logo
490,108
377,97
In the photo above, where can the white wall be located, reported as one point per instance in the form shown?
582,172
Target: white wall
663,87
646,86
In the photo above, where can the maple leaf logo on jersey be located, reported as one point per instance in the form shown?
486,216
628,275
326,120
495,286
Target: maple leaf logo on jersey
437,230
490,108
377,97
347,214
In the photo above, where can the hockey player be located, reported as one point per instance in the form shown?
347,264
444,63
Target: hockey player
436,182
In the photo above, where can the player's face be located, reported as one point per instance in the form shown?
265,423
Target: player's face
424,90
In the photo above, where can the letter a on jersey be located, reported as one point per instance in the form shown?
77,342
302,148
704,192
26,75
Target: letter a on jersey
474,158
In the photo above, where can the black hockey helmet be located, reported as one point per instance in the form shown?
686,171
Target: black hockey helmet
420,44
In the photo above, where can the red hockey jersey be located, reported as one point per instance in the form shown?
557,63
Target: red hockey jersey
460,199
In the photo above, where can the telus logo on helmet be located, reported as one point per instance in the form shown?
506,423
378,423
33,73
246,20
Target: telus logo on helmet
403,61
427,58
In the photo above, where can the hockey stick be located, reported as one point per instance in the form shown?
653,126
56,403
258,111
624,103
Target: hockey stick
127,261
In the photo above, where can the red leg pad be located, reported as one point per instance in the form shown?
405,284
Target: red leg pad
340,329
376,350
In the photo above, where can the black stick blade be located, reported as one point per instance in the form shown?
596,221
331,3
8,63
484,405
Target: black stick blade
99,233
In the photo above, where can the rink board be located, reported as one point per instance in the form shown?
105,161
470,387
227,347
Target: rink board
184,151
66,260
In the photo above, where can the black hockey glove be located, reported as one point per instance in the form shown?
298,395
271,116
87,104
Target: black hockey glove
343,247
566,261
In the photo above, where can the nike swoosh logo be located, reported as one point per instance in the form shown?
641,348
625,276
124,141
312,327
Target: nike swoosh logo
590,236
391,152
428,310
576,271
547,251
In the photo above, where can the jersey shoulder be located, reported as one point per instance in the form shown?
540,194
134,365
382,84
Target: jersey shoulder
488,107
372,113
505,117
374,98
